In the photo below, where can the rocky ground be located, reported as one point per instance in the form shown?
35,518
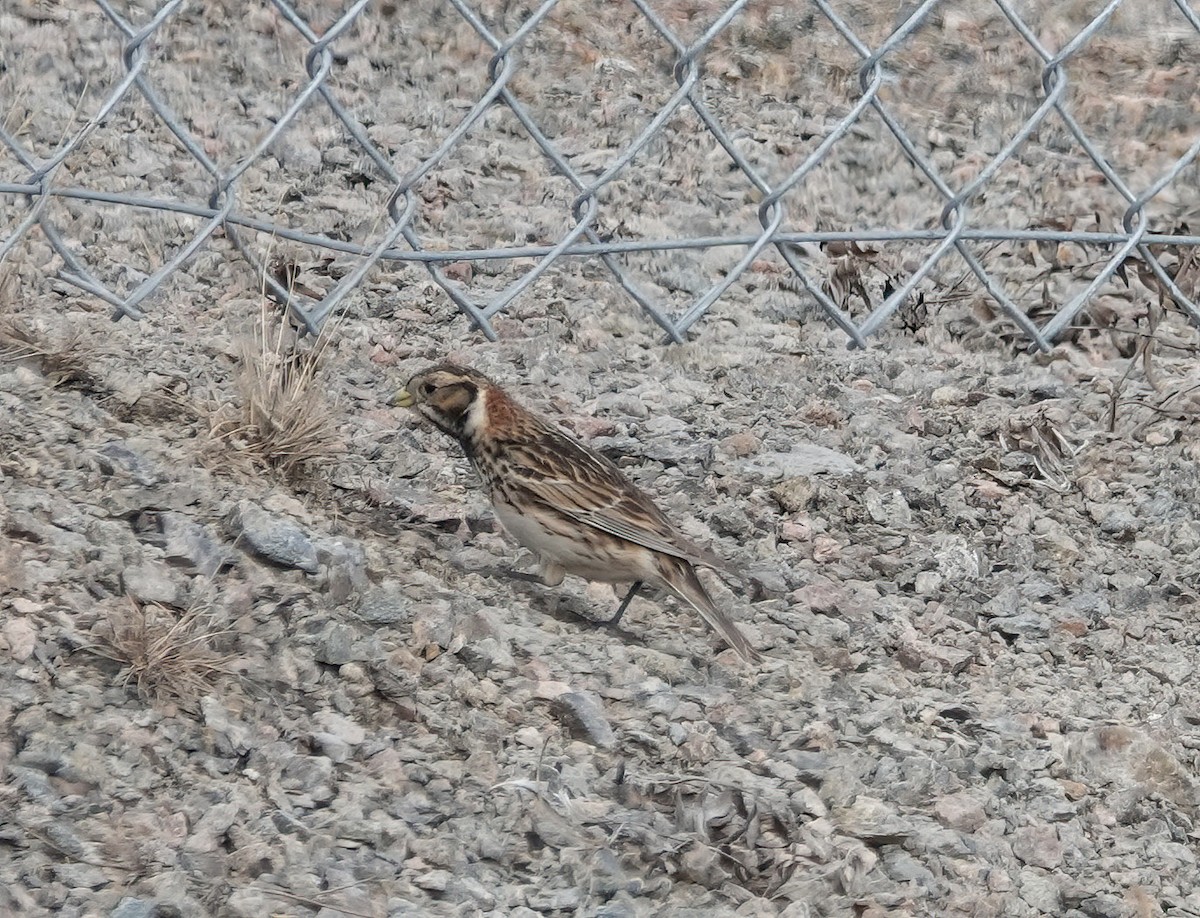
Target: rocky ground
259,652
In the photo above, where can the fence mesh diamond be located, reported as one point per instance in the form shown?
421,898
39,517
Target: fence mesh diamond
1040,159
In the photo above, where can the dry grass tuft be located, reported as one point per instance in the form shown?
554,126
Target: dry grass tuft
65,363
282,419
168,655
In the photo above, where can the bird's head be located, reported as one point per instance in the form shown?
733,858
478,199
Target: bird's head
452,397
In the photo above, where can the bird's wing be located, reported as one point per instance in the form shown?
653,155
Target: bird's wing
598,495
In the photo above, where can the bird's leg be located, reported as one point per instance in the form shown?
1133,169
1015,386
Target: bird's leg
633,591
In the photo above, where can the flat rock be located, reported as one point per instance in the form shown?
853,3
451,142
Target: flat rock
963,811
583,714
1037,846
274,538
802,461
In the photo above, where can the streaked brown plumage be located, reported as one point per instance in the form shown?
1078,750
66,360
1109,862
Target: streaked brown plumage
565,502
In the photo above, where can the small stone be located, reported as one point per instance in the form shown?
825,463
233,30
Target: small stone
804,460
962,811
247,902
1041,892
792,531
345,562
921,656
1108,907
583,714
337,645
823,596
621,403
130,907
308,776
1027,625
484,656
46,754
1162,438
82,876
999,881
436,880
904,868
209,832
948,395
1059,545
433,624
230,735
588,428
1073,790
342,727
1074,627
826,550
739,445
21,638
276,539
807,802
333,748
190,543
1115,520
664,424
151,582
927,583
409,459
794,494
1038,846
380,355
530,737
118,458
888,508
874,822
385,605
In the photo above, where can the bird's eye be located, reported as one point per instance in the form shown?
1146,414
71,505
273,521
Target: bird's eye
426,389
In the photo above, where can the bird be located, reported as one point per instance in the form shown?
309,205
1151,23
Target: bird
565,502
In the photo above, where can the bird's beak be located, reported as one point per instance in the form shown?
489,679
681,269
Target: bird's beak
402,399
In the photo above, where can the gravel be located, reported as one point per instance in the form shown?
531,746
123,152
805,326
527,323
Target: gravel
973,571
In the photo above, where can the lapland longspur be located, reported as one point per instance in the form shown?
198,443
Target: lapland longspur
565,502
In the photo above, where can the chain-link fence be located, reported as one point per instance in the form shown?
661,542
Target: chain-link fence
1026,155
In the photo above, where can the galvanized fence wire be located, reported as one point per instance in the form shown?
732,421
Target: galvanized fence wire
36,187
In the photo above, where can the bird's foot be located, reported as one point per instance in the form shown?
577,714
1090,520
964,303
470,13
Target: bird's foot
616,619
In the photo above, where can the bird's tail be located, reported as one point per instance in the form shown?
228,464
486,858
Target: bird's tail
680,578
